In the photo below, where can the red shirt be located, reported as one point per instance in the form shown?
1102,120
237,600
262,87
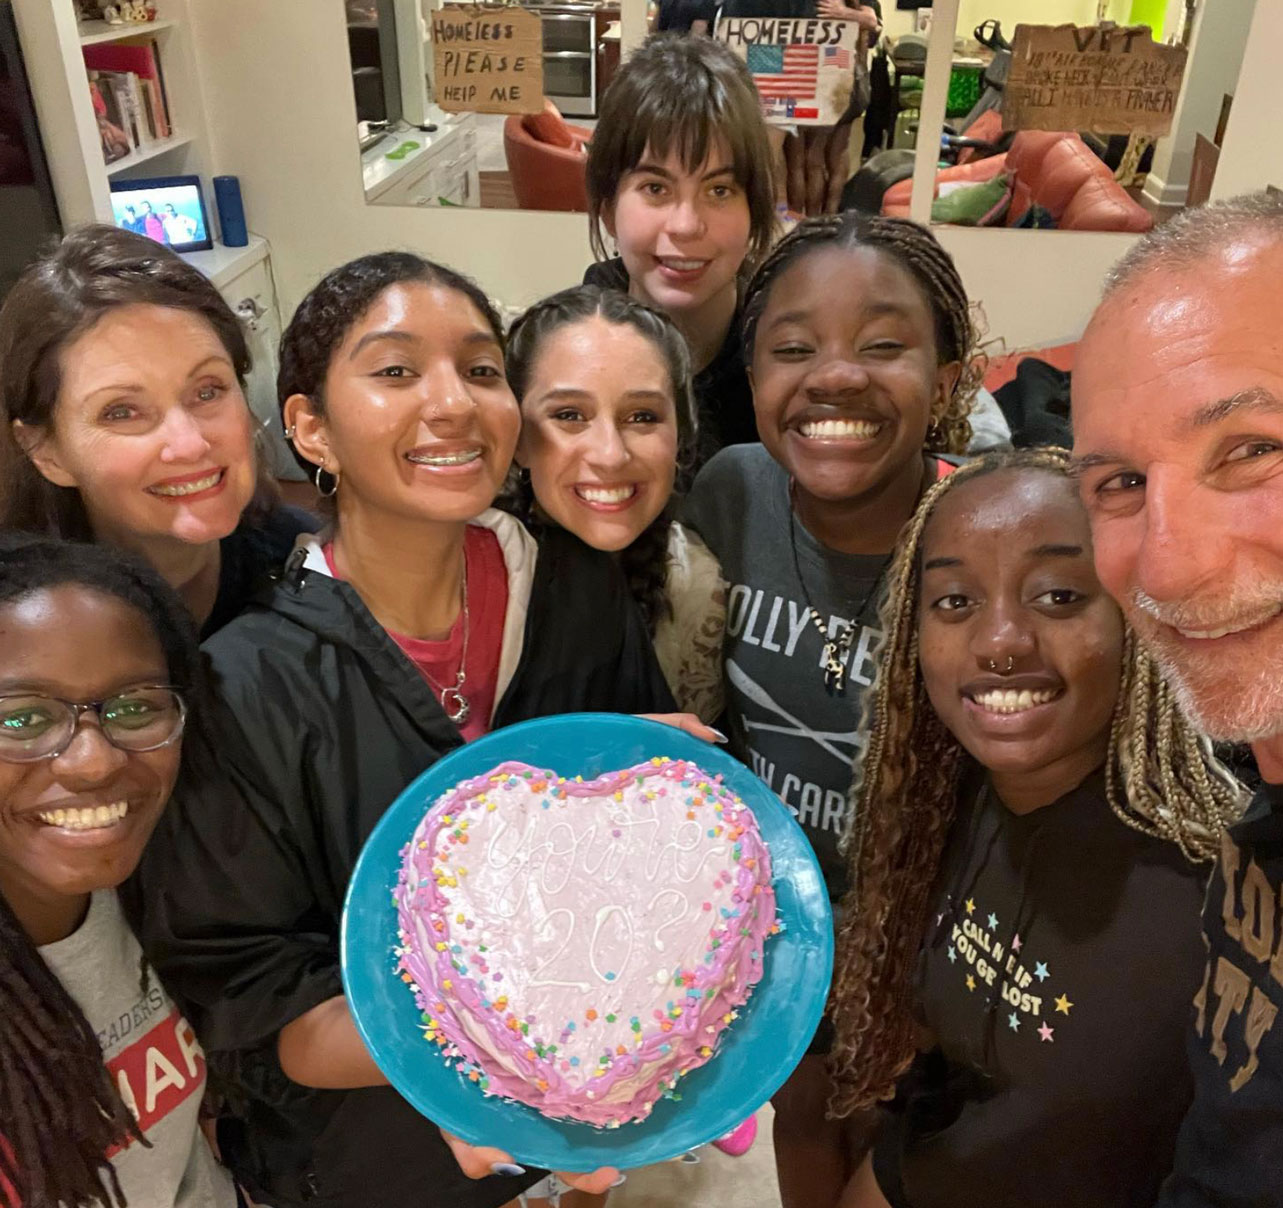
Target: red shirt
438,662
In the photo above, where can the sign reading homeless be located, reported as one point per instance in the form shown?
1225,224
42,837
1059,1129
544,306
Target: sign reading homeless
803,67
487,60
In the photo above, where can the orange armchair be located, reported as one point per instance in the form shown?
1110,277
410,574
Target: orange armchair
1054,169
547,160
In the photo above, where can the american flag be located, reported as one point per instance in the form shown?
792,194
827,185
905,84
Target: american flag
837,56
784,71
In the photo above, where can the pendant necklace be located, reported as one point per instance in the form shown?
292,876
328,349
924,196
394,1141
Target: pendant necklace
837,646
455,704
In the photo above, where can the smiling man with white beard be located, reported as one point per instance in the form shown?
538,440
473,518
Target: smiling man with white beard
1178,436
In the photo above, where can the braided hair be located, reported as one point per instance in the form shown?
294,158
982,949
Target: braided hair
60,1110
921,255
1160,774
645,560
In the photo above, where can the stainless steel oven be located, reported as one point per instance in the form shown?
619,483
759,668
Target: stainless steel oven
569,59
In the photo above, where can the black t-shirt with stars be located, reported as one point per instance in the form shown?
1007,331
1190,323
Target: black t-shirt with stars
1057,978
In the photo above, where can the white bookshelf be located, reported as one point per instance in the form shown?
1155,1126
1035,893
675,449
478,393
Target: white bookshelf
53,40
94,32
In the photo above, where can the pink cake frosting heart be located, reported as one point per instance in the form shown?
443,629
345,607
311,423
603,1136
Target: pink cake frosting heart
580,946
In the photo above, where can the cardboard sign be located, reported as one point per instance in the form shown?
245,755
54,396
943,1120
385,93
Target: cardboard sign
1110,80
487,60
804,68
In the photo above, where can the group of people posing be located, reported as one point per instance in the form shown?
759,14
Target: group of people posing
725,482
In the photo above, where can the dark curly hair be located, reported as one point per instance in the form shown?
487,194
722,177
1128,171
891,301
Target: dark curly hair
678,93
644,561
61,295
921,255
60,1110
337,302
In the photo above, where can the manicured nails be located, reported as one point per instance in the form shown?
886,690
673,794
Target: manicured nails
718,736
506,1168
619,1182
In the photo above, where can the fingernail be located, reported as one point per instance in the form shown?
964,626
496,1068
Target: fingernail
619,1182
718,736
506,1168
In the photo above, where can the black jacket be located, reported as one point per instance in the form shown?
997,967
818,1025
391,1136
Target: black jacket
1230,1151
319,724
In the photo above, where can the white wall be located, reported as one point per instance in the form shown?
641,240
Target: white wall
1216,56
281,115
1252,155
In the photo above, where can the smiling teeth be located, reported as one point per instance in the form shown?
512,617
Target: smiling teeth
189,488
447,459
856,429
1011,701
94,818
605,494
683,266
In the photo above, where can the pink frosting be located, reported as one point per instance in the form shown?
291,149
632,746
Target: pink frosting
580,946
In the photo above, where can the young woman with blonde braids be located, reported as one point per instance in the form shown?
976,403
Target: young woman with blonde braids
1034,826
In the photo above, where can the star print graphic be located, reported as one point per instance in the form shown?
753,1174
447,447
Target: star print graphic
1013,1022
971,905
1040,971
971,982
1046,1033
1016,943
953,955
1063,1004
993,921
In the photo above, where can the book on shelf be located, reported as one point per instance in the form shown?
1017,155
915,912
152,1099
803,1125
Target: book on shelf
127,88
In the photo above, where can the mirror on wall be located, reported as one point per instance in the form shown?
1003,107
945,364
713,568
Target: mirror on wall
1030,140
547,62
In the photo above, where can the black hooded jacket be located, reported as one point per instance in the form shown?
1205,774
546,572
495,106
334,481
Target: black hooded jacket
320,721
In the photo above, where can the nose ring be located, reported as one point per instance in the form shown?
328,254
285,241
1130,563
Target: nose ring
1011,662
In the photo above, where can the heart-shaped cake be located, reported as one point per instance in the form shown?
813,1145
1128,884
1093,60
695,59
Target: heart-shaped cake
581,945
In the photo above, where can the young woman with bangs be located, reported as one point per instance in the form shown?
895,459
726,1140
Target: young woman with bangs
680,178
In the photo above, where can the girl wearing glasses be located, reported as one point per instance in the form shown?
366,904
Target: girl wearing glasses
101,1079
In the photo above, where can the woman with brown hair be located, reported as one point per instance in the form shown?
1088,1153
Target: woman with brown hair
679,179
124,419
1034,823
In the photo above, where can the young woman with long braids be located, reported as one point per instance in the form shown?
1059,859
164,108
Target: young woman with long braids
1034,825
101,1080
862,357
608,426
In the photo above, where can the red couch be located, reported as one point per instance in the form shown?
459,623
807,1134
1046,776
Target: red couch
1055,169
547,160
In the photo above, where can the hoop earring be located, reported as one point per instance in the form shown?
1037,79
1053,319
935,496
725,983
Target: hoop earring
334,490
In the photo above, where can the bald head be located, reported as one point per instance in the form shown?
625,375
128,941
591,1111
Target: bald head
1210,233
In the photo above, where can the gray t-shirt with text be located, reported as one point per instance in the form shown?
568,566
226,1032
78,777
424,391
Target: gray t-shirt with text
800,740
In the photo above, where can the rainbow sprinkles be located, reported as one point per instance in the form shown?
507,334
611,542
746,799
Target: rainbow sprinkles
580,946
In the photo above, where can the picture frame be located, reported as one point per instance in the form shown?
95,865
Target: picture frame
168,209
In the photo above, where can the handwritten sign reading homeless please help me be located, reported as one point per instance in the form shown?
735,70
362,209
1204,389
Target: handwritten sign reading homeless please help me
1111,80
487,60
